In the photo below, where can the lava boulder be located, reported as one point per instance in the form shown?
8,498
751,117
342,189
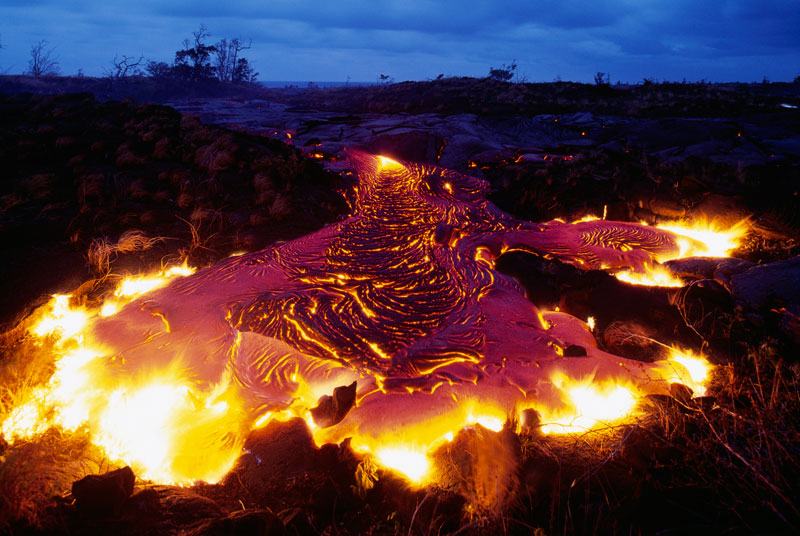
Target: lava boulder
104,494
331,410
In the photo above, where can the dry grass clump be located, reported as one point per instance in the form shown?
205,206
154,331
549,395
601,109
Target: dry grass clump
745,445
33,472
102,251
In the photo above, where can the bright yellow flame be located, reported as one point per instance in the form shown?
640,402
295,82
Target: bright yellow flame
157,425
109,308
588,217
166,429
408,451
71,387
705,238
591,323
700,238
411,463
26,420
135,426
137,285
686,368
61,319
654,275
589,405
489,422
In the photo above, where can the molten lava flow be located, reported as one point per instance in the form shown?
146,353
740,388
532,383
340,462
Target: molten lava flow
705,238
588,405
701,238
137,421
172,372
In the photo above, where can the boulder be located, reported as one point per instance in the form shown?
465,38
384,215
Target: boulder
574,350
773,285
667,208
331,410
720,270
481,466
104,494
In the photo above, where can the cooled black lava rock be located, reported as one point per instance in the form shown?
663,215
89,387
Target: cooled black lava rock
574,350
104,494
331,410
720,270
770,285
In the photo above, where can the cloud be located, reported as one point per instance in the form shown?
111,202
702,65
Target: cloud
313,40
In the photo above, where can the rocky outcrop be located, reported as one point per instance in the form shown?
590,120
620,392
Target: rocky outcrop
775,285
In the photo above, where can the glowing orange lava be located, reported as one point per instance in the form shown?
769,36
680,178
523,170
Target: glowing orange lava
701,238
172,372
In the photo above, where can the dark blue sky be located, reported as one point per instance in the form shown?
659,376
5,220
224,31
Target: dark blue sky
718,40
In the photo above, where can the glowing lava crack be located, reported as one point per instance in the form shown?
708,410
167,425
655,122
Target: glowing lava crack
402,297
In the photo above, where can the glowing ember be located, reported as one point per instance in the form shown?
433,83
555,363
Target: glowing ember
174,370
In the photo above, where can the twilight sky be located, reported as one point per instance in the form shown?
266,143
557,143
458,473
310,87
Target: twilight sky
720,40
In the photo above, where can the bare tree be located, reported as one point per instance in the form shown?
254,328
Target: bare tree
226,58
221,59
602,79
193,61
124,66
43,61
